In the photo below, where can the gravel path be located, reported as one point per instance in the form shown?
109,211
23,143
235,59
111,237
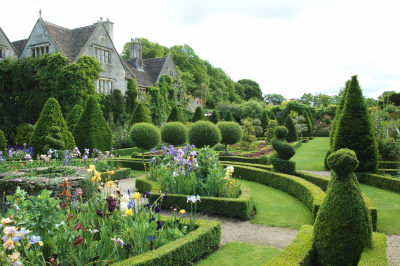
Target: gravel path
234,230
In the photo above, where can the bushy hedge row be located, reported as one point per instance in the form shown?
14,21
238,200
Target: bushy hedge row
183,251
379,181
300,251
126,152
308,193
389,165
240,207
121,173
239,159
134,164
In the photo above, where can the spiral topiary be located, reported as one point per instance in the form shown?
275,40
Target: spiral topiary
204,133
343,227
284,151
53,140
174,133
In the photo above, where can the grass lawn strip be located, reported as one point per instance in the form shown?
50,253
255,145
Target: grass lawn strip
310,156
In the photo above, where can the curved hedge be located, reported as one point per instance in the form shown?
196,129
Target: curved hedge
183,251
240,207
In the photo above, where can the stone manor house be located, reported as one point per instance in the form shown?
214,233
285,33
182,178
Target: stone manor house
93,40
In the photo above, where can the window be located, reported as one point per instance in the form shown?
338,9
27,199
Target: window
104,85
2,53
103,54
171,72
39,50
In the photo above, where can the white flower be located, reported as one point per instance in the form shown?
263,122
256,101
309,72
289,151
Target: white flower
125,198
124,206
193,199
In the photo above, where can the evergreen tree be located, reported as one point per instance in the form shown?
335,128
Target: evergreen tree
308,121
139,115
131,96
264,120
24,133
272,116
175,115
92,130
3,142
229,117
354,129
198,115
292,134
215,117
50,116
338,110
74,116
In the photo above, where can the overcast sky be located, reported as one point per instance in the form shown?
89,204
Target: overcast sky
289,47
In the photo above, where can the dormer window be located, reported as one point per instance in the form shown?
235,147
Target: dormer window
39,50
103,54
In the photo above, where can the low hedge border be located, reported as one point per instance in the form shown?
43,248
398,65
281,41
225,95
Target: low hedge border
300,251
379,181
389,165
125,152
241,159
315,134
388,171
261,166
183,251
240,207
322,182
311,195
134,164
121,173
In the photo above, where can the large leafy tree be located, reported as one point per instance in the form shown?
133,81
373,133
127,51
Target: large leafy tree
307,99
149,50
251,89
274,98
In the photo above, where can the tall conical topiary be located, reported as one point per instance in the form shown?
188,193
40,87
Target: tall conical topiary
354,129
308,121
292,134
139,115
198,115
343,226
50,116
215,117
229,117
92,130
74,116
337,114
175,115
264,120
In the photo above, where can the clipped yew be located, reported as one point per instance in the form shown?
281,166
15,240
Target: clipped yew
337,115
92,130
354,130
53,140
231,133
264,120
139,115
74,116
308,121
3,142
343,226
229,117
145,136
174,133
284,151
215,117
24,133
198,114
50,116
175,115
292,133
204,133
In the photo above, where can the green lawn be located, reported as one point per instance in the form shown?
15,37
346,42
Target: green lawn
136,173
310,156
238,254
277,208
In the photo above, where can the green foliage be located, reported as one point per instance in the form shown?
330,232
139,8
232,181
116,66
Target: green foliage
3,142
158,103
284,151
198,115
223,107
92,130
264,159
354,129
337,115
292,133
340,219
74,116
149,50
175,115
50,116
270,131
174,133
53,140
251,109
275,99
264,120
251,89
145,136
228,117
248,136
139,115
231,133
131,95
24,133
214,117
204,133
113,106
392,98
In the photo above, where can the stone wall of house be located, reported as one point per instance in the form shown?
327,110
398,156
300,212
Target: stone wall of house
8,51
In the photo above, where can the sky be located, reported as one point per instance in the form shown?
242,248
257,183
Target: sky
289,47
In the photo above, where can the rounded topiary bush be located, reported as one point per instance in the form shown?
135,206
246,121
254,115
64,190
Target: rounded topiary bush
145,136
231,133
280,132
264,159
204,133
174,133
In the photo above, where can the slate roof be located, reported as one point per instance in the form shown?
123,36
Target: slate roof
70,41
148,77
19,46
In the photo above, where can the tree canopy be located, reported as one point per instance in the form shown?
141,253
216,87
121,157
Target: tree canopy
274,98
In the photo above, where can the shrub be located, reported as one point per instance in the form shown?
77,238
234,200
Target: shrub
139,115
198,115
215,117
342,219
174,133
3,142
53,140
248,136
393,98
269,133
284,151
145,136
308,121
231,133
204,133
175,115
337,114
354,129
92,130
24,133
74,116
264,121
251,109
264,159
50,116
228,117
292,133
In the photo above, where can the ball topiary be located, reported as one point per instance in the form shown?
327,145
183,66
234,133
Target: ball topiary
145,136
204,133
343,227
174,133
263,159
231,133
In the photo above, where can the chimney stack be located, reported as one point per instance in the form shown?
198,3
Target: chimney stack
135,53
110,28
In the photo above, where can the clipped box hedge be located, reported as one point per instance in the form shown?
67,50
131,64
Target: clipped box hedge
240,207
125,152
315,134
134,164
389,165
183,251
300,251
121,173
251,160
261,166
379,181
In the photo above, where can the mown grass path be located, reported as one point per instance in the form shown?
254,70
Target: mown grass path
310,156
